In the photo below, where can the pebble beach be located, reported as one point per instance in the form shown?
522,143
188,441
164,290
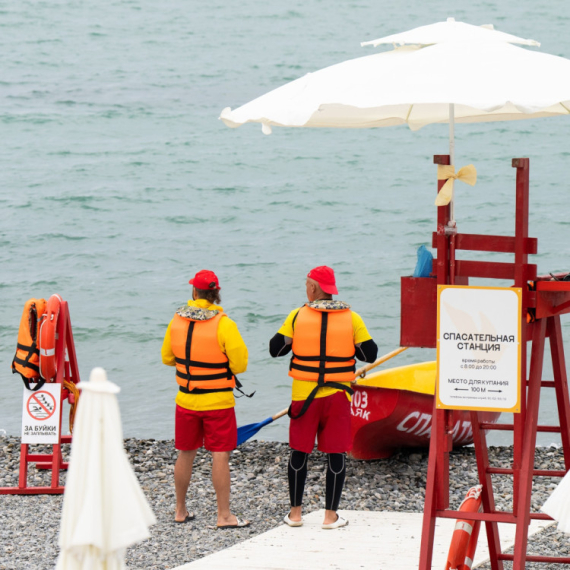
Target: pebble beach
29,524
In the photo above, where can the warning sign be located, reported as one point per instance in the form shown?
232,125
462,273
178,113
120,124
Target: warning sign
40,415
41,405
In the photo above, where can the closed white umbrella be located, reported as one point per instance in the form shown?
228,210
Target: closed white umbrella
104,508
558,504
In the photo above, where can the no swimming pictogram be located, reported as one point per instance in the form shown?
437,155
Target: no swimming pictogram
41,405
41,414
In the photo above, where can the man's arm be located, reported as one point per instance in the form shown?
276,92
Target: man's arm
367,351
166,351
365,348
282,343
233,345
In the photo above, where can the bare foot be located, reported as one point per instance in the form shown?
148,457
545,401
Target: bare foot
295,514
188,516
231,521
330,517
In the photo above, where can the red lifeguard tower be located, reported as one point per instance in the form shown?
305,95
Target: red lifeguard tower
543,301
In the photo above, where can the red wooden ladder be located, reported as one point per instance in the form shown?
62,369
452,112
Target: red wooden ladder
66,370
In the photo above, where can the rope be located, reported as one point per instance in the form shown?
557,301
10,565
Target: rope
73,390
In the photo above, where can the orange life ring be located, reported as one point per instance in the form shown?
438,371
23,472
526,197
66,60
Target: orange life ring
471,547
48,368
464,541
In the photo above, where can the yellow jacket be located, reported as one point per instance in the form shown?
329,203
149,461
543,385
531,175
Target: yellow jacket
231,344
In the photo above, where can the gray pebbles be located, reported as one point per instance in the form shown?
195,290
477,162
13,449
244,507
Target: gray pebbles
29,524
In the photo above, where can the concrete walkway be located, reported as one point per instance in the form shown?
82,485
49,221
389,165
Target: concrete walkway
372,540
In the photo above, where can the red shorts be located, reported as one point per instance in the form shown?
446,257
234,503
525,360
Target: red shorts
216,430
327,419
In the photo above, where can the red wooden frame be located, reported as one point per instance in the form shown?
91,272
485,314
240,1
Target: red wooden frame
66,370
543,302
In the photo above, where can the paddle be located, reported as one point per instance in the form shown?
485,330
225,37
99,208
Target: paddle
248,431
245,432
361,372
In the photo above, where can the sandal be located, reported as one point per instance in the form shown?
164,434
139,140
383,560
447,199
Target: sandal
240,524
291,523
336,524
189,517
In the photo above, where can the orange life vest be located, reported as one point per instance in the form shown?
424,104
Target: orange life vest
323,347
201,366
26,360
323,344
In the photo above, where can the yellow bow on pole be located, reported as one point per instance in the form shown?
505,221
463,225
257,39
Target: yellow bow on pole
467,174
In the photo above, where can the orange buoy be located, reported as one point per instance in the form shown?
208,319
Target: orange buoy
466,532
48,338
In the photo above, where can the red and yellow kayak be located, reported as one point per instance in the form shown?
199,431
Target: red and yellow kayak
393,408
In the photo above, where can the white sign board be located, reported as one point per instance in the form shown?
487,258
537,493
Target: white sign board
40,414
478,348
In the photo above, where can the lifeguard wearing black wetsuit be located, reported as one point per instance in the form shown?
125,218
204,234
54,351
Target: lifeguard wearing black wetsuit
326,337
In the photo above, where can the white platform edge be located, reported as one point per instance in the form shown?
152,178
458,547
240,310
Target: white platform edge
372,540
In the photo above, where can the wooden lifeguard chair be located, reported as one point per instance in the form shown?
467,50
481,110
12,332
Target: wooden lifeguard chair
543,301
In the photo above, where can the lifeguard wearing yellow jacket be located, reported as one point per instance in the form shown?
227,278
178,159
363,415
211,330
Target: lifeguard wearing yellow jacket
206,348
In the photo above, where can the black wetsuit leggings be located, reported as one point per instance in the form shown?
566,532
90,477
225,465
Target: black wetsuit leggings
297,472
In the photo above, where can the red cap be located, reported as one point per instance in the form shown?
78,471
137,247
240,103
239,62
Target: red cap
205,279
324,276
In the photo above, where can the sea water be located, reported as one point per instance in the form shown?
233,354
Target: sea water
119,182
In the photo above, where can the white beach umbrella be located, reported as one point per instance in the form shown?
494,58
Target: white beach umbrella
415,86
104,508
447,82
450,31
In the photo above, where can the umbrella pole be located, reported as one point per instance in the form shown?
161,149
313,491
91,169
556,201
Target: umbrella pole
451,154
452,225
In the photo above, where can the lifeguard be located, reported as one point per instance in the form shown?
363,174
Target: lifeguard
207,349
326,337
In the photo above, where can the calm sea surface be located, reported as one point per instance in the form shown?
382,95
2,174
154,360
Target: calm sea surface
119,182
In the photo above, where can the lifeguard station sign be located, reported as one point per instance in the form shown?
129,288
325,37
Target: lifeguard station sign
478,348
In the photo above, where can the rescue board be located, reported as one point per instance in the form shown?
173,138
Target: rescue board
392,409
